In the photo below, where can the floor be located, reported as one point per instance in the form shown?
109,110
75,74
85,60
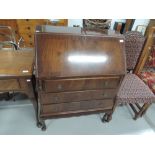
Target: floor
18,118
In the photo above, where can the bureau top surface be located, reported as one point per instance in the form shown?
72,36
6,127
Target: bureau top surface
14,64
74,31
61,53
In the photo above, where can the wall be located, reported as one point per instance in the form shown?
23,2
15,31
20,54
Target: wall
72,22
137,22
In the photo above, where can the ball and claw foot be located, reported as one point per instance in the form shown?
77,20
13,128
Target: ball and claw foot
39,124
43,128
106,117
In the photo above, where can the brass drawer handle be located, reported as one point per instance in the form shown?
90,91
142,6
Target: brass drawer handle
105,95
56,99
106,83
59,87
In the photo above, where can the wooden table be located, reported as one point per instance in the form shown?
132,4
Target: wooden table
16,71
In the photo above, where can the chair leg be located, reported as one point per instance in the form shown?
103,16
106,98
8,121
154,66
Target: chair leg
142,110
107,117
145,109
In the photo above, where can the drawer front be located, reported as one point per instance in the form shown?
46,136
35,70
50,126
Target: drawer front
80,84
6,85
76,96
83,106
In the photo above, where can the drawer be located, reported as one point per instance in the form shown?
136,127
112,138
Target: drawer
80,84
6,85
83,106
77,96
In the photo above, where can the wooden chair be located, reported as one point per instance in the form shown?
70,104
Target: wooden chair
139,70
133,90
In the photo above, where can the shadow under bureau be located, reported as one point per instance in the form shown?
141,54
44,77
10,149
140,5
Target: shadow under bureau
77,71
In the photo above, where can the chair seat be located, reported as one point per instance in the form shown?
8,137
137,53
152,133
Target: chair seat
149,79
134,90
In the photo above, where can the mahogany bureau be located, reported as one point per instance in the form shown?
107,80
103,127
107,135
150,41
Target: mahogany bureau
77,71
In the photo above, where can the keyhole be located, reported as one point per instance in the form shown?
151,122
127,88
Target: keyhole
104,95
56,99
106,84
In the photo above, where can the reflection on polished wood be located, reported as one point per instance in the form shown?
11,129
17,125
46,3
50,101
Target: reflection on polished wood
78,71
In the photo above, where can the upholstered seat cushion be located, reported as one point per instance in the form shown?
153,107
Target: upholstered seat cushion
134,90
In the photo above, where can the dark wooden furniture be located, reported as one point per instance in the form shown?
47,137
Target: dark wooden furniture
77,71
16,71
128,25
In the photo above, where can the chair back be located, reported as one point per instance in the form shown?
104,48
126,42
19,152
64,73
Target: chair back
134,42
150,41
